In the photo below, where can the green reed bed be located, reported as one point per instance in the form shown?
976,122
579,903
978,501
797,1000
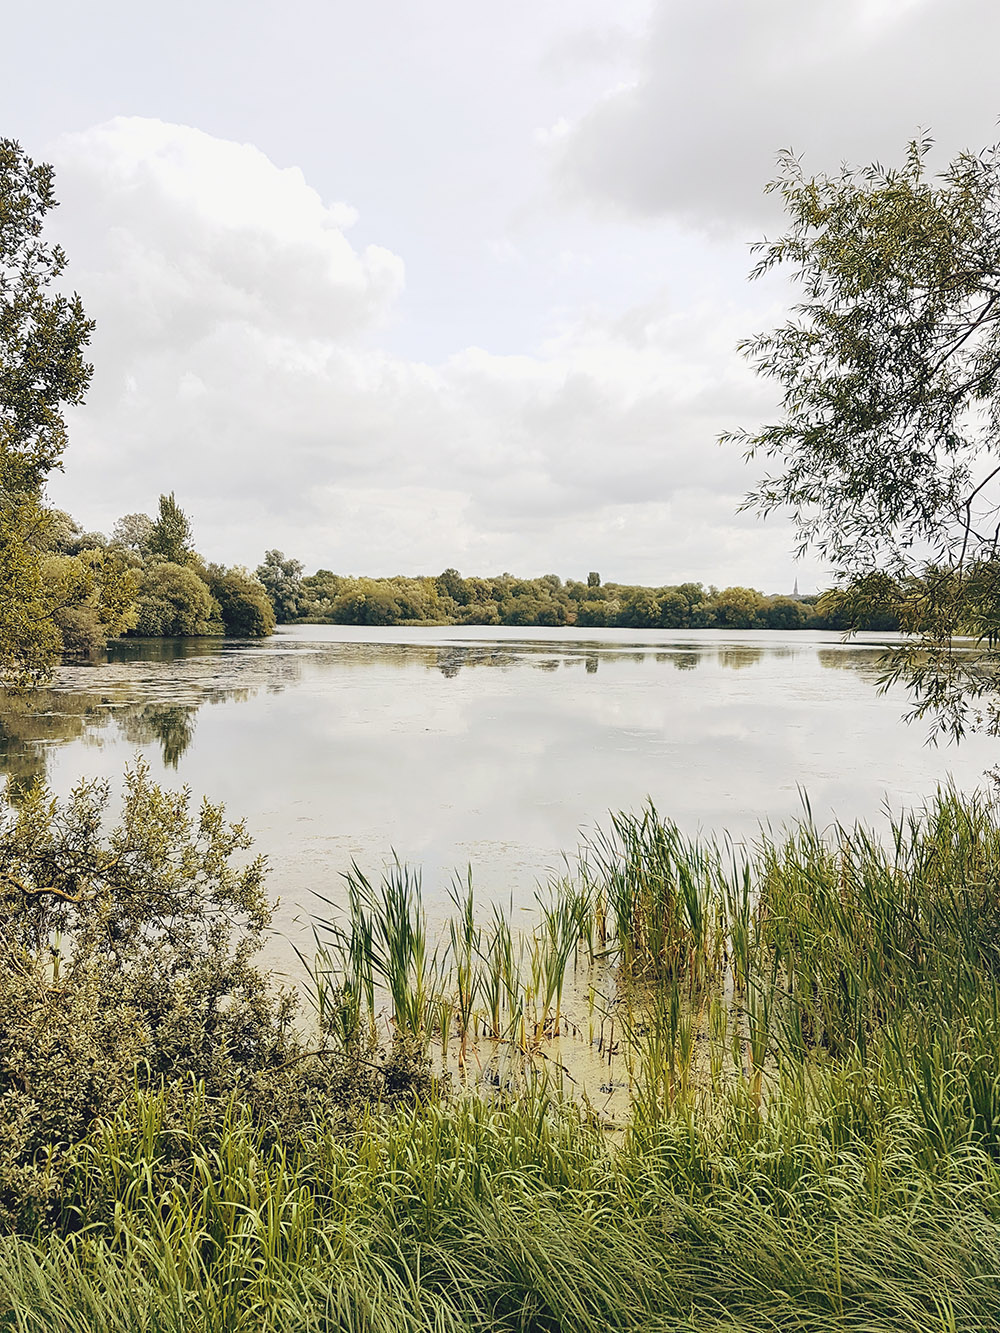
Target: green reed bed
513,1217
811,1030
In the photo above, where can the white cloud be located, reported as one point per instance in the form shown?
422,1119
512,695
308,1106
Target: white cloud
192,231
724,85
239,364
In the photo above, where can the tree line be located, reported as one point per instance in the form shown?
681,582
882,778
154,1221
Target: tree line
504,599
146,579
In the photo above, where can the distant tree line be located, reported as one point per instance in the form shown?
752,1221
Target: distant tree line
450,599
147,579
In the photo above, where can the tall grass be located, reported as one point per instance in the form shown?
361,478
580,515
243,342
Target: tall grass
838,944
514,1216
809,1026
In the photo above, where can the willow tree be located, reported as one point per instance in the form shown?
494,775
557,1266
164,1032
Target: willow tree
887,448
42,369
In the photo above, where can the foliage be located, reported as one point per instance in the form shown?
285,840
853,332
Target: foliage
282,580
133,532
29,638
889,379
451,584
93,597
739,608
68,537
326,597
786,613
120,948
42,335
170,537
244,604
640,609
173,600
42,369
127,956
70,594
835,1167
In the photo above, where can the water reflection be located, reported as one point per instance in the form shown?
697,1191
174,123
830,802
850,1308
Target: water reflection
735,659
494,748
31,723
165,650
149,693
172,725
846,658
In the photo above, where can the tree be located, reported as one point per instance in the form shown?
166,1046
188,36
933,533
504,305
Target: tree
551,612
66,535
282,580
365,602
675,611
739,608
93,597
480,613
133,531
784,613
170,537
317,594
523,609
173,600
640,609
594,614
42,335
887,445
245,606
126,953
451,584
42,369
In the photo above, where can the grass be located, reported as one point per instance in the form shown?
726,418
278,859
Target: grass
810,1025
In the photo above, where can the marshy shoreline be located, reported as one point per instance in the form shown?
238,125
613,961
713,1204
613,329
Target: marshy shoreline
806,1035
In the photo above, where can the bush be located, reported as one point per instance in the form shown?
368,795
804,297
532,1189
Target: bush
593,614
174,601
246,609
127,958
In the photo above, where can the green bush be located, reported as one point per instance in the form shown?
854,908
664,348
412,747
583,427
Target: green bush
174,601
245,607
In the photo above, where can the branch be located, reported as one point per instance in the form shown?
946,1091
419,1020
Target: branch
41,889
980,319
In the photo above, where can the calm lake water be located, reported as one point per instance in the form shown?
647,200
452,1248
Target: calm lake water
495,747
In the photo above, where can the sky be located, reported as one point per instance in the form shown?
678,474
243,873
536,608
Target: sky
400,286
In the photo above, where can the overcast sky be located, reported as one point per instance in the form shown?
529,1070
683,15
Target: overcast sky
415,283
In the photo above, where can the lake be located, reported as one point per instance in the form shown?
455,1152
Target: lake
495,747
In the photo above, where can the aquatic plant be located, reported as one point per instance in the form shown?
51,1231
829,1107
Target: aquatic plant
809,1026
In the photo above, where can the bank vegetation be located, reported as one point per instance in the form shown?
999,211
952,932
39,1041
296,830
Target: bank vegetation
805,1030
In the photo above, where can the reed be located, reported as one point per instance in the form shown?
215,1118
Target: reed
465,940
381,947
813,1139
661,893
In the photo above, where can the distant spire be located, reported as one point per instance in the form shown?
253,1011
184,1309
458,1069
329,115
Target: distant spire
795,590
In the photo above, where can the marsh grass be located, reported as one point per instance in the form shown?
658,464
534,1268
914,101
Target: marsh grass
699,964
809,1027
